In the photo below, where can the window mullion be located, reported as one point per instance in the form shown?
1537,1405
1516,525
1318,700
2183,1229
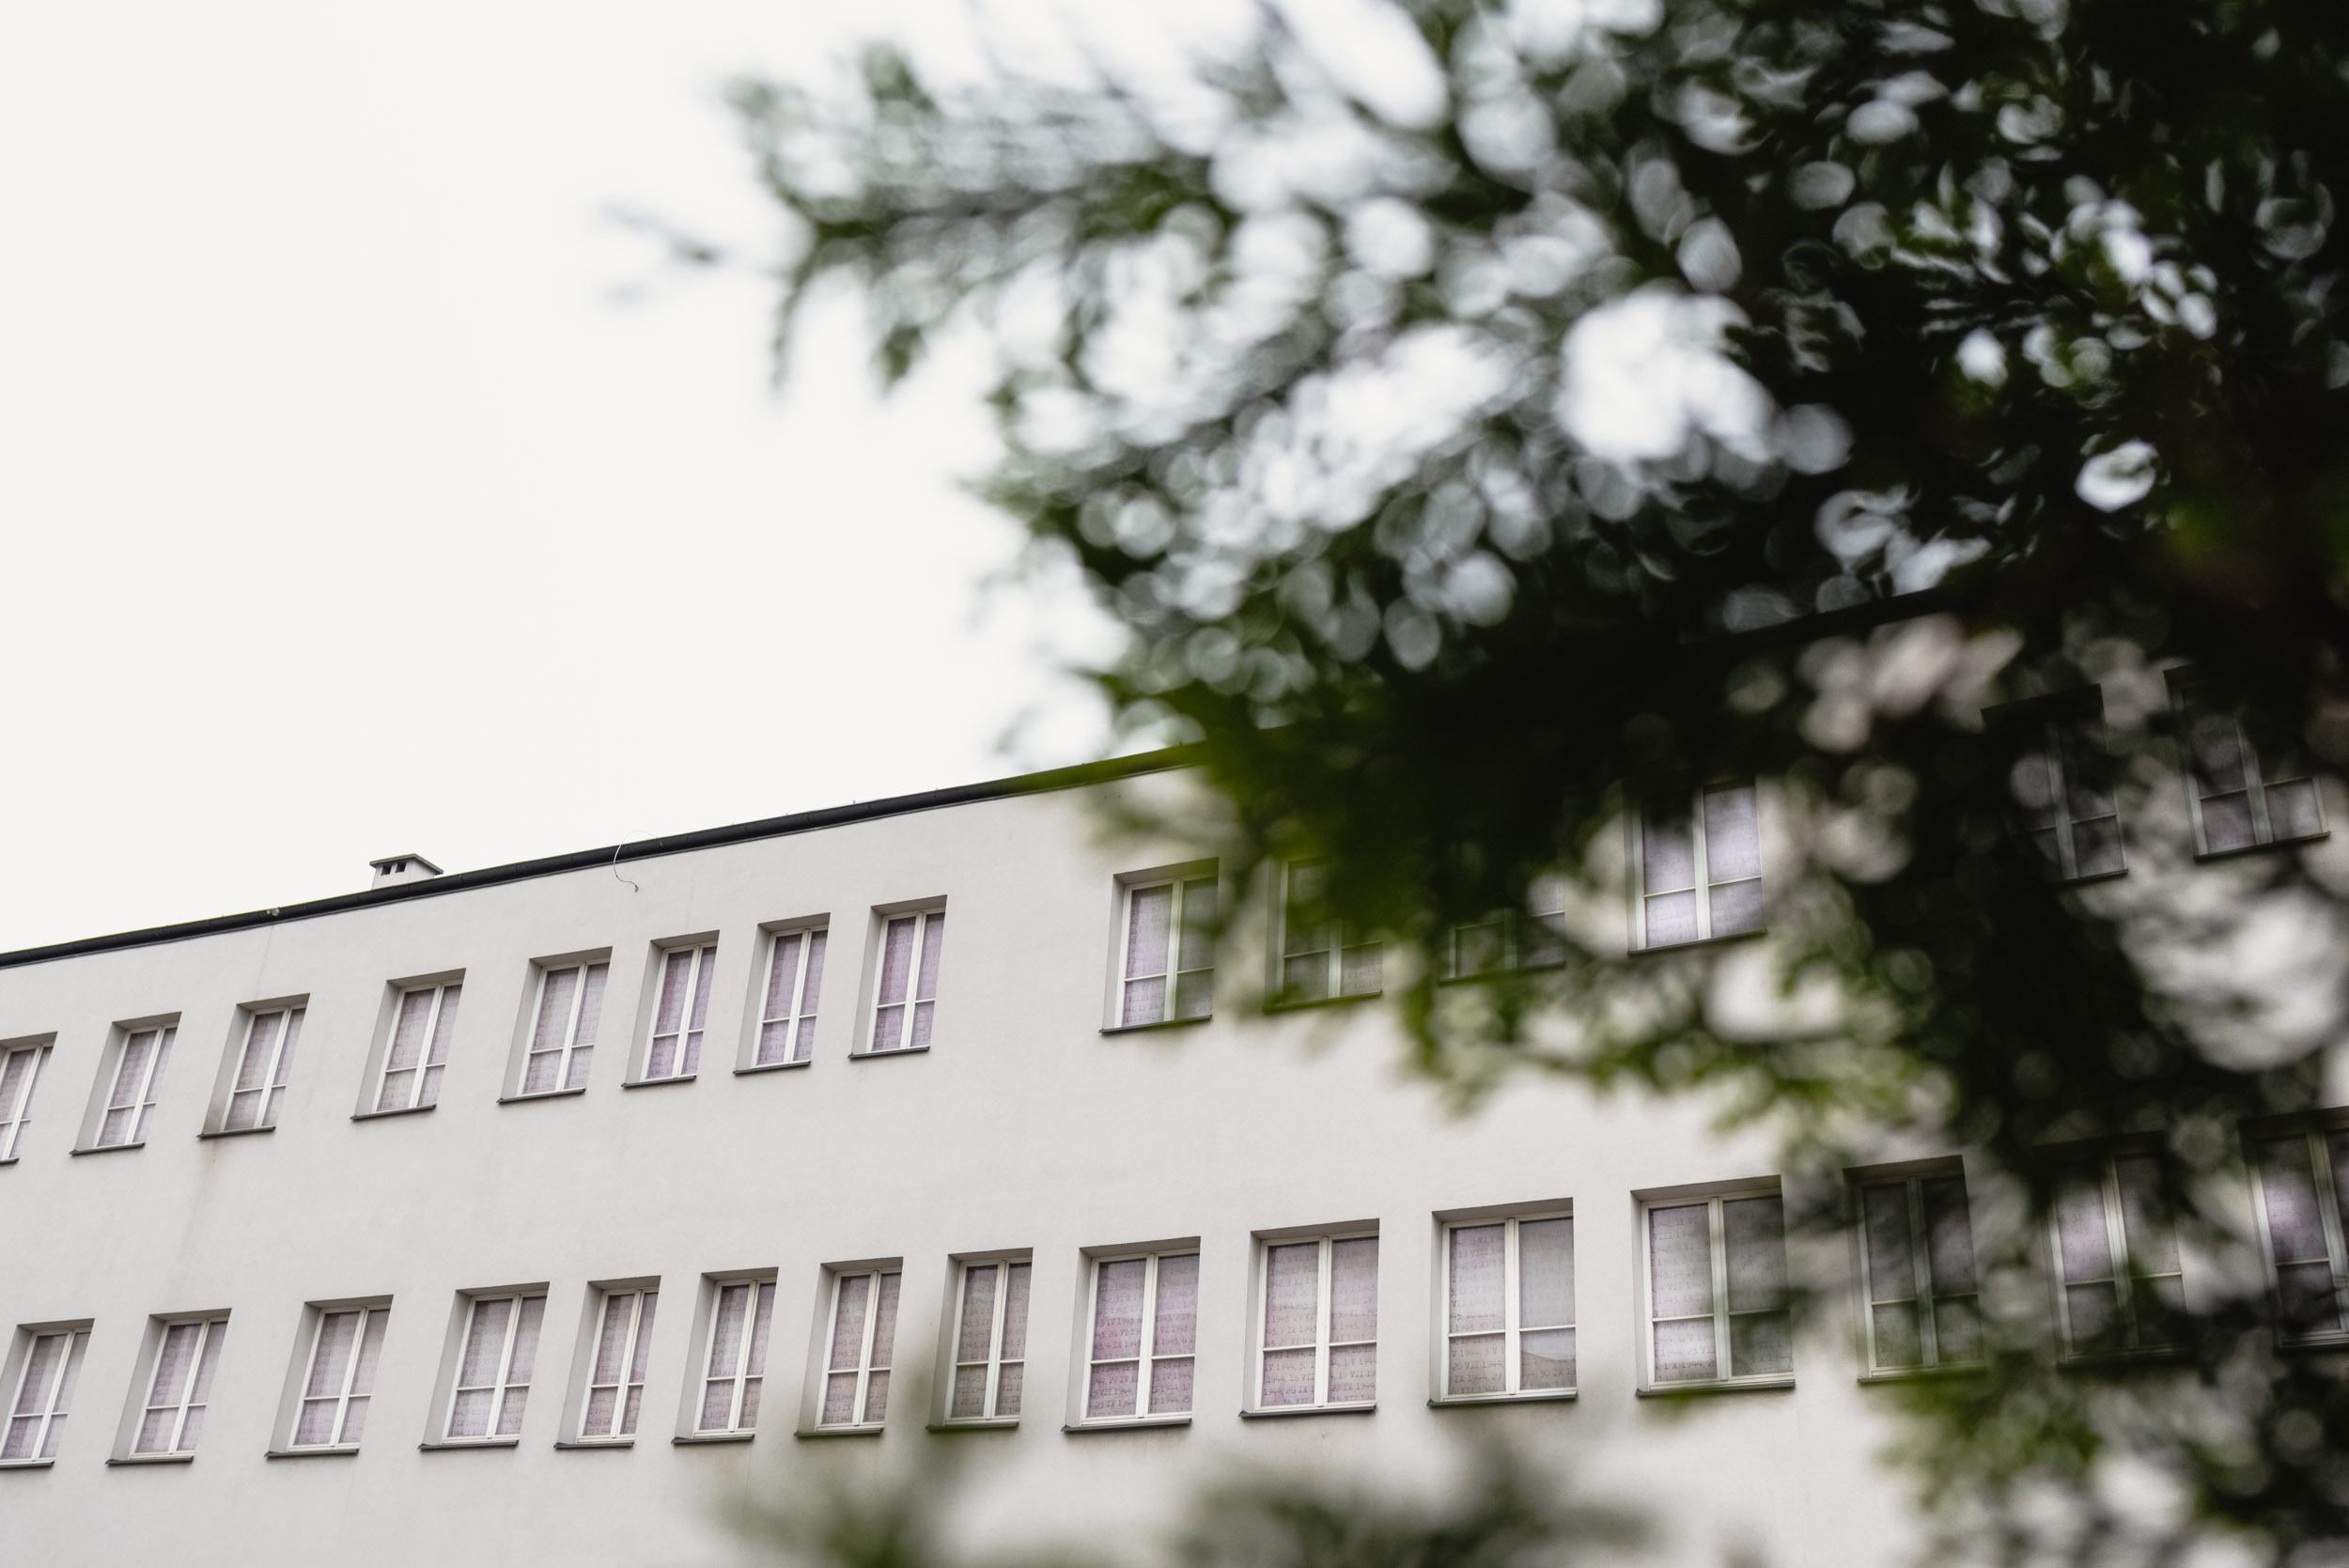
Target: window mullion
1149,1332
1704,868
570,1033
2328,1213
864,1354
1512,1324
1321,1324
2117,1238
2255,787
995,1338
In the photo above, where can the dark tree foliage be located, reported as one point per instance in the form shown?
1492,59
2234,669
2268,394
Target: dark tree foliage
1694,389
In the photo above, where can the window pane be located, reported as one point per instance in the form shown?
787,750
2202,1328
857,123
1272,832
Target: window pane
1353,1374
1732,837
933,944
1736,909
2086,1247
1545,1273
1477,1364
2227,822
1015,1311
2091,1308
978,1312
1477,1281
1668,860
1170,1385
1671,918
969,1395
1177,1325
1354,1289
1757,1230
1360,970
1198,936
885,1322
1681,1249
1292,1293
1288,1377
1118,1308
1897,1340
2097,845
897,961
1112,1388
1150,922
2153,1245
1761,1344
1949,1235
1957,1324
1892,1271
2292,810
1684,1351
1546,1359
2293,1225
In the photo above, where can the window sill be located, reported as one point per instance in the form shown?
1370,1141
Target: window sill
1486,977
1715,1386
1139,1423
10,1160
1310,1004
1162,1023
1536,1396
2093,1360
110,1148
596,1443
1284,1414
238,1132
403,1110
658,1082
883,1055
771,1068
871,1429
345,1450
452,1444
154,1459
976,1423
2093,876
1919,1375
688,1439
2257,848
1700,941
2313,1344
27,1464
541,1095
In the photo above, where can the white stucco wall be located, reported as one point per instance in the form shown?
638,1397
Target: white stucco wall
1025,1127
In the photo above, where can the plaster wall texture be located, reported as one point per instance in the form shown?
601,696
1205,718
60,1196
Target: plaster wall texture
1025,1126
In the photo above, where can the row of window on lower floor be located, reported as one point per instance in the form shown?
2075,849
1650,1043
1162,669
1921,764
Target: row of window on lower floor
1713,1287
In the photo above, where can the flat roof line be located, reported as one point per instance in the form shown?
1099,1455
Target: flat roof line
613,854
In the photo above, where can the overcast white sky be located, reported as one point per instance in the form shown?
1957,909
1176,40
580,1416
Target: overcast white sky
345,512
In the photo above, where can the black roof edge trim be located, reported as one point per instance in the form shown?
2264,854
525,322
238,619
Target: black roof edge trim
1076,777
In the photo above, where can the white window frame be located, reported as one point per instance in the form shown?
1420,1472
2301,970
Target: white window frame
754,1348
1323,1343
1342,941
804,948
189,1400
2126,1282
24,1059
1704,886
994,1360
700,972
424,1085
2055,732
33,1420
625,1416
1181,920
1927,1295
263,1093
1546,907
923,969
823,1365
1718,1245
2196,701
1146,1355
114,1085
514,1366
1513,1298
573,1047
2316,1143
350,1388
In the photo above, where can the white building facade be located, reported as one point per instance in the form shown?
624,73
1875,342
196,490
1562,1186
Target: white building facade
522,1214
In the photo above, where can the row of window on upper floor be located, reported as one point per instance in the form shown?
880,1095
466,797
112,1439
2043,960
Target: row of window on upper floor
1696,870
1713,1293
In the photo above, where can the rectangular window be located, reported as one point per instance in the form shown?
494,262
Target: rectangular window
1322,960
1534,938
20,1070
2117,1257
181,1389
990,1341
1146,1334
741,1321
345,1345
138,1073
493,1368
1699,866
563,1029
1509,1307
1320,1323
1917,1244
2248,786
795,979
2062,786
419,1050
2301,1199
908,991
1716,1290
43,1393
263,1065
1166,965
615,1379
861,1336
682,1013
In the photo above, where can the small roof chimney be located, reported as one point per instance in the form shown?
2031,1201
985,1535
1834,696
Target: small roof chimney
401,868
